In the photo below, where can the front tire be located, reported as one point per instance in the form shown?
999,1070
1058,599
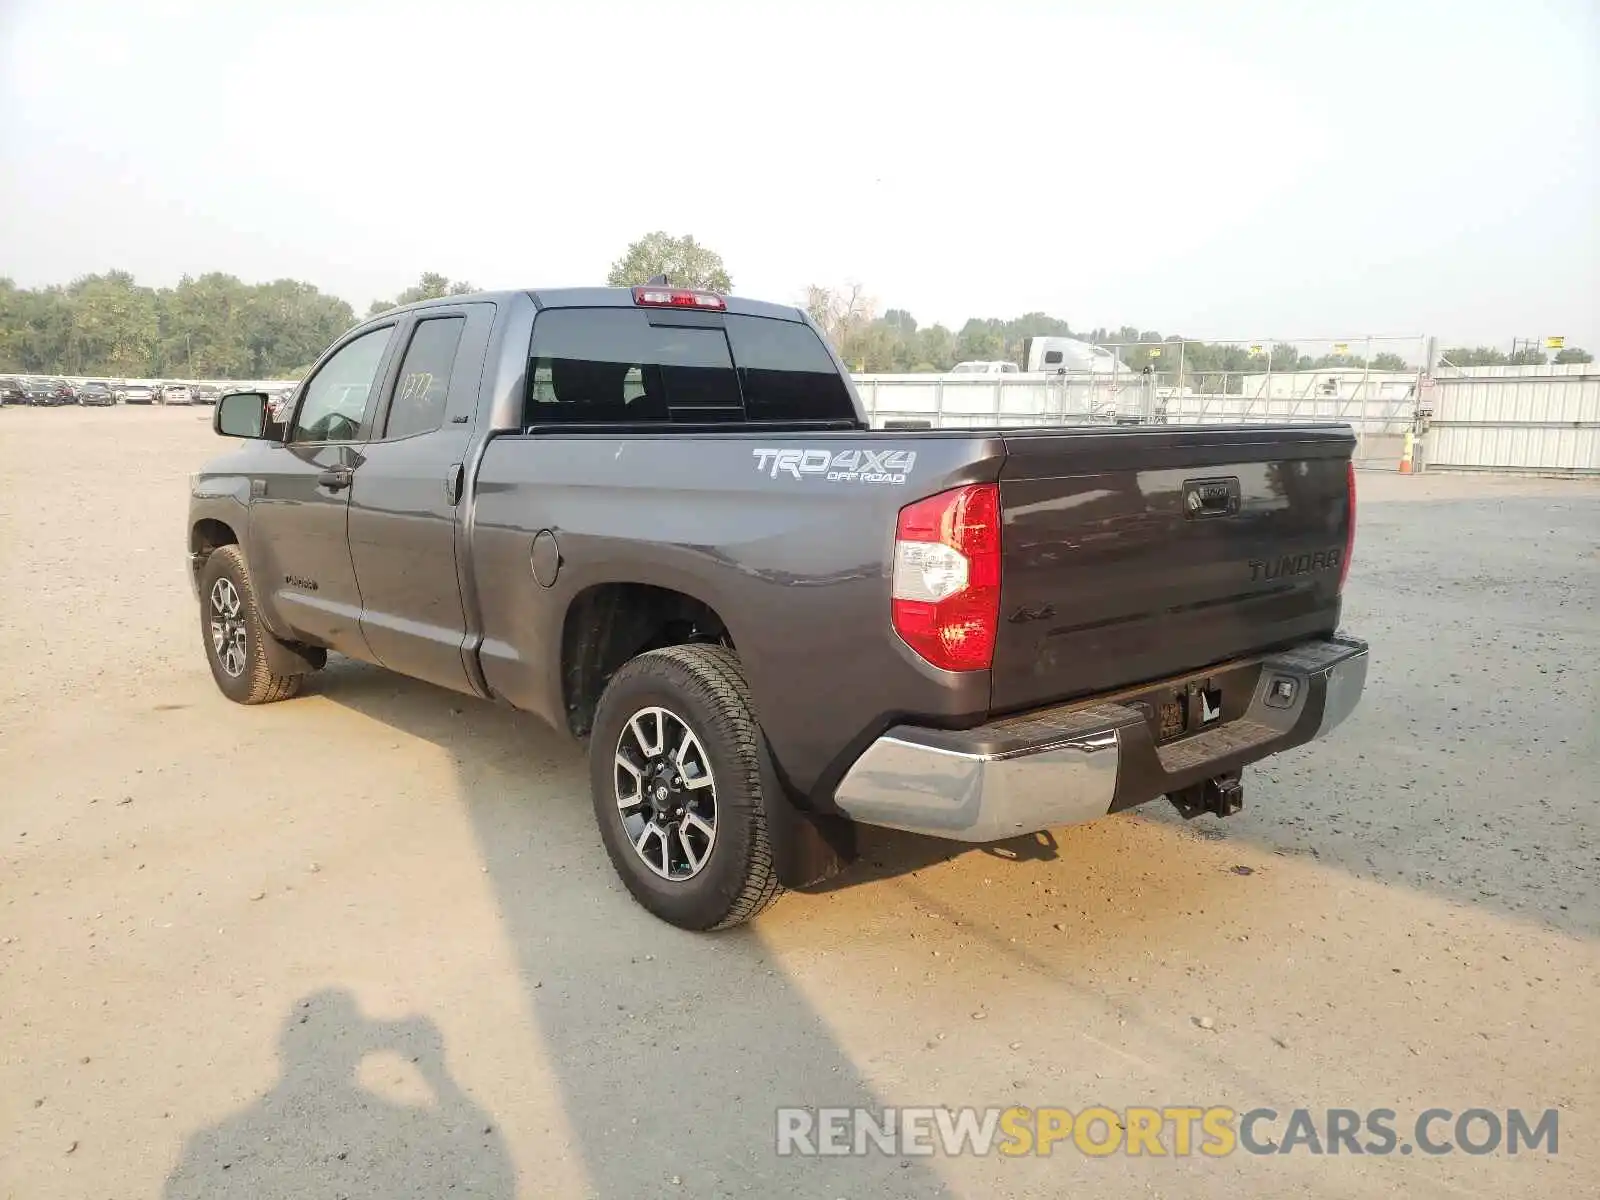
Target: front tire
234,636
678,775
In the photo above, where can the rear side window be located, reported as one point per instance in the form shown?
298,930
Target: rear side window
785,372
1052,357
612,365
424,383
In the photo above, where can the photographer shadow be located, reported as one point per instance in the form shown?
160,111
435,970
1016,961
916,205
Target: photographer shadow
320,1132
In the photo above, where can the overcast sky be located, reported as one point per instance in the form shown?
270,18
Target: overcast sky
1394,167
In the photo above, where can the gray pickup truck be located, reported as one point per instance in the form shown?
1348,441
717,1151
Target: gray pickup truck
658,520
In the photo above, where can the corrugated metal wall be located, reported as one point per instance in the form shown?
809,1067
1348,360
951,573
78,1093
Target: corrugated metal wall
1533,419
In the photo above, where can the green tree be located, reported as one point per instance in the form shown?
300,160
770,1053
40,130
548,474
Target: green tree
935,349
47,330
684,261
902,322
203,328
290,322
13,305
1287,357
211,327
982,340
1473,356
430,286
33,327
115,325
1572,354
1389,361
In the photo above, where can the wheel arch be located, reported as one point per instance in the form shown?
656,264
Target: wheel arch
607,624
208,533
206,536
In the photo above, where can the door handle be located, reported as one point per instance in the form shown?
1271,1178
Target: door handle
452,484
336,479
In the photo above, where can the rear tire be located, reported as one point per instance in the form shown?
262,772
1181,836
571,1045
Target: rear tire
685,826
230,625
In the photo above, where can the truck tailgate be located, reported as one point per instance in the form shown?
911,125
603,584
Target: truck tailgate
1135,553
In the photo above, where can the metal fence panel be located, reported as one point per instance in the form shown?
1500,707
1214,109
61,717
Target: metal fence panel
1532,419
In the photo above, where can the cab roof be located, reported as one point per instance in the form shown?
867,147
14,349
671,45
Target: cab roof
602,297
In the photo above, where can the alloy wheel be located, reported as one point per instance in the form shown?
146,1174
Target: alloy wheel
666,793
227,628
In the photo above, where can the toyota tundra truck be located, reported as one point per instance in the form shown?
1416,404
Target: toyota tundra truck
658,520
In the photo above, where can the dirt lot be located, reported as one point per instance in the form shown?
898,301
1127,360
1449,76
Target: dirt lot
366,943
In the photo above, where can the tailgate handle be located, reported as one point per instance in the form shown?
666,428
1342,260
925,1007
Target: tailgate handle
1210,497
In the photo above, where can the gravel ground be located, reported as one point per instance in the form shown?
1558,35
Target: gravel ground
366,943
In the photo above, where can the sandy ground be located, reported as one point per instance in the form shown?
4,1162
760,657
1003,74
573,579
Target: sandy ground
366,943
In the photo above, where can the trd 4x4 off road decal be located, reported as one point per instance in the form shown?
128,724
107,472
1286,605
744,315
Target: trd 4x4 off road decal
845,466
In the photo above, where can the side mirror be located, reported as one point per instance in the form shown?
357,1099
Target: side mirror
242,415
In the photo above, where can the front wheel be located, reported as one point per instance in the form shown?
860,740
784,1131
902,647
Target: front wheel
676,769
234,635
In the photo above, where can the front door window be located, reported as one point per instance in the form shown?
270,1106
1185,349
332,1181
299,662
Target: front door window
336,398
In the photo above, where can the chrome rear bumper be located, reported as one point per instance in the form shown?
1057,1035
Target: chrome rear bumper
1061,766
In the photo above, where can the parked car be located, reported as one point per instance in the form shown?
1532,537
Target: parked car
204,393
96,393
48,393
666,529
173,393
138,393
12,391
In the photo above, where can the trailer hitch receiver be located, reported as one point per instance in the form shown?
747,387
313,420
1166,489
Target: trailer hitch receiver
1221,796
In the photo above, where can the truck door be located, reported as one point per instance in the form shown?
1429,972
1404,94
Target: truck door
299,550
406,496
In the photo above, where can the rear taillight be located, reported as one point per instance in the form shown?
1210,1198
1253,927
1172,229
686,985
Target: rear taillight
1349,529
946,590
661,297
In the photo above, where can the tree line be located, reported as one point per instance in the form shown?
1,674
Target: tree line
1488,356
216,326
212,326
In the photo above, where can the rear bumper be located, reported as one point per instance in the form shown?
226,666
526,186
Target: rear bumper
1061,766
